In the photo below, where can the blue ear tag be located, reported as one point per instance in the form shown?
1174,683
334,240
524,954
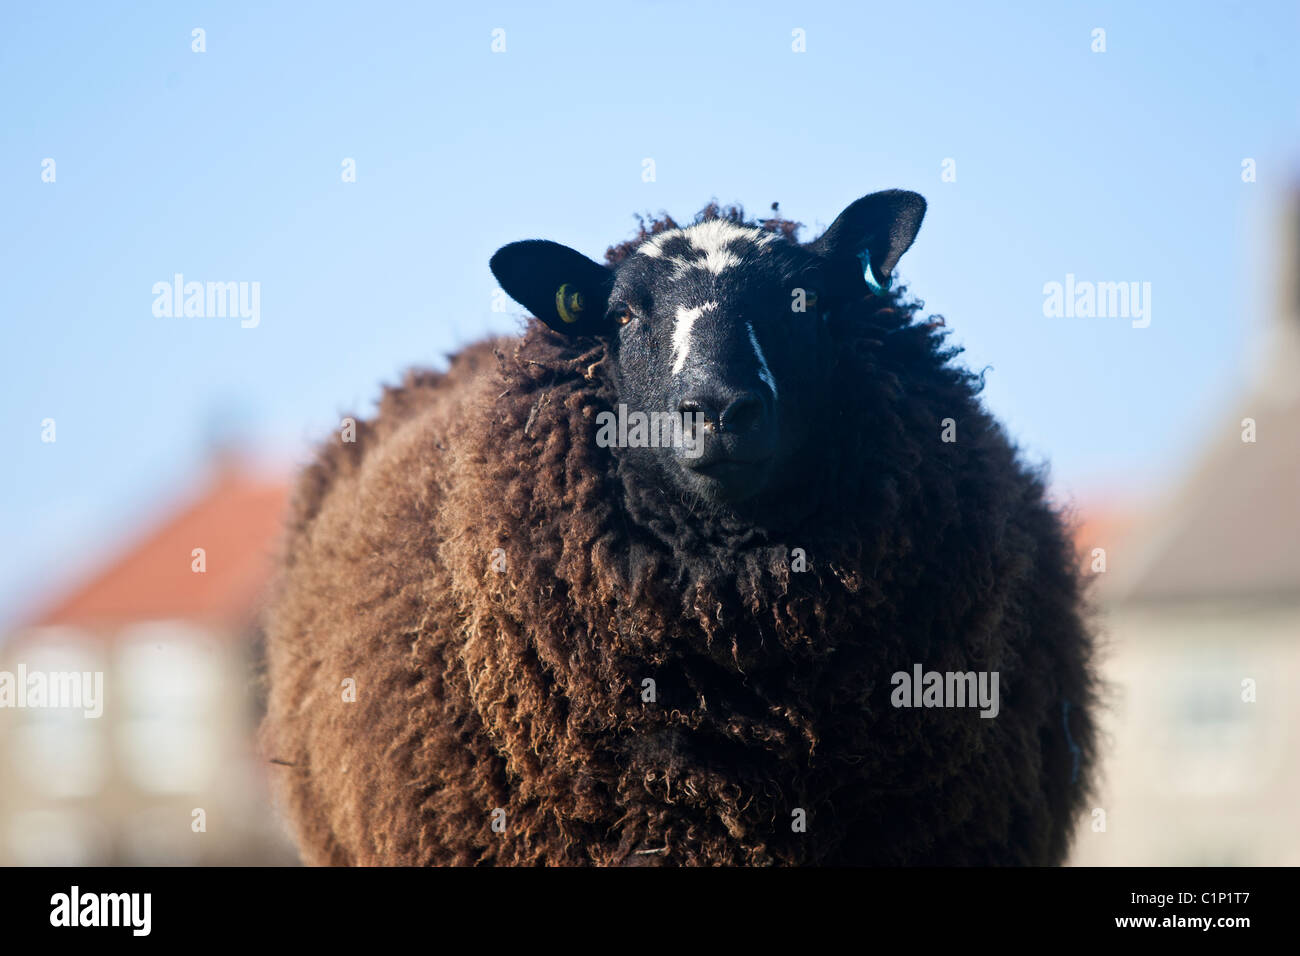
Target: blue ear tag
865,258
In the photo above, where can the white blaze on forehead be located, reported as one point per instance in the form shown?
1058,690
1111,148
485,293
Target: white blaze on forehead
764,372
682,332
710,237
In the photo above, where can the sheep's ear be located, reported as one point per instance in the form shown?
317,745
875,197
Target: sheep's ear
559,285
877,230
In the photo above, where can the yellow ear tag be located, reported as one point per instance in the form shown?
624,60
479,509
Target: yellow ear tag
568,304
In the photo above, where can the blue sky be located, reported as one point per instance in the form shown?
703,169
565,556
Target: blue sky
225,166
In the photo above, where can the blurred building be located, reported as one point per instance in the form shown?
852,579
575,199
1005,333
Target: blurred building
1201,617
173,639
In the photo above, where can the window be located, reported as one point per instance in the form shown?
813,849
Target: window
168,690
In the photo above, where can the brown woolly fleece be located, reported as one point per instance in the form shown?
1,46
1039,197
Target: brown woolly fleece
499,588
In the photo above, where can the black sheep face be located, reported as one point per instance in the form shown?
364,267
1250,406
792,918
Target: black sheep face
718,333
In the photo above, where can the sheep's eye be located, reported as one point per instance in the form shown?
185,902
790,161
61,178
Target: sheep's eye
622,314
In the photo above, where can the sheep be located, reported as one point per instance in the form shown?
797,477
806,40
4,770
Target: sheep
495,640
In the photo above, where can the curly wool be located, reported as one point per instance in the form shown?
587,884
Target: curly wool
485,686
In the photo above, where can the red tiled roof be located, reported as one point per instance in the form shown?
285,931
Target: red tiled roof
236,520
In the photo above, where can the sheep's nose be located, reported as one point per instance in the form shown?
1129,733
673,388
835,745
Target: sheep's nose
744,413
736,413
